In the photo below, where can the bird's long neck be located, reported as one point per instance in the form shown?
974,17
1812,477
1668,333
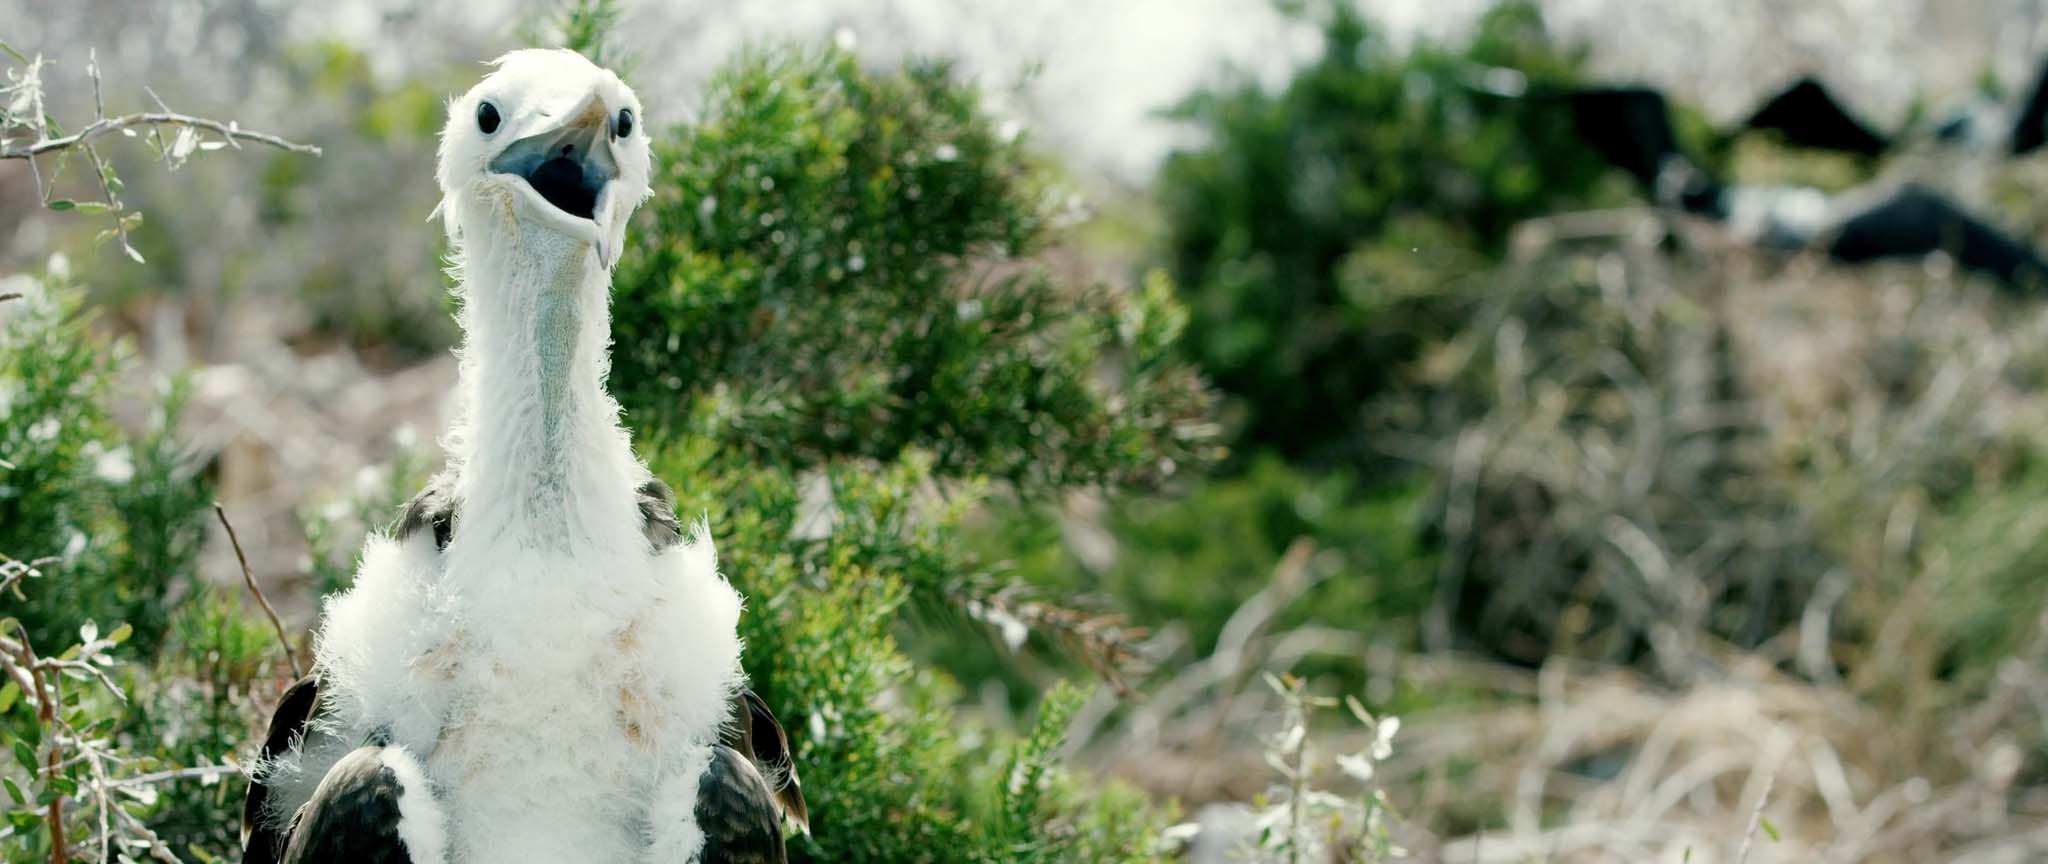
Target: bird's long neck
542,455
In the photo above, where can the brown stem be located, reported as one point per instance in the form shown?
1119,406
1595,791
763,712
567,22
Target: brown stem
249,579
46,717
234,134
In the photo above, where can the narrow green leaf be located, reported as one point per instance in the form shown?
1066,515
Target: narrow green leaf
61,204
25,822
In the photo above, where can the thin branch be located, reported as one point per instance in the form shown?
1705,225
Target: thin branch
1756,816
11,295
92,70
99,792
230,131
156,133
100,170
249,579
200,772
48,689
148,838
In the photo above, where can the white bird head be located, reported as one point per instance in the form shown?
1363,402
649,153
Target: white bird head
547,139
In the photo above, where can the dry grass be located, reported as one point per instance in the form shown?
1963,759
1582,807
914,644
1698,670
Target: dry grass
1752,514
1744,564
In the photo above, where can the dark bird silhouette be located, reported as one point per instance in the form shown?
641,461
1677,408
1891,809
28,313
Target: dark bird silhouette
1630,127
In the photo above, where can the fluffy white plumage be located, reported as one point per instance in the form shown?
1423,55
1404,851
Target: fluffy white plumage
560,683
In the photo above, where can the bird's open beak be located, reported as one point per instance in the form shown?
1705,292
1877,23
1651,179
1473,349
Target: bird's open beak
565,170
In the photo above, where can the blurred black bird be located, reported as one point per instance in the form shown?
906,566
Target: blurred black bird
1630,127
1807,114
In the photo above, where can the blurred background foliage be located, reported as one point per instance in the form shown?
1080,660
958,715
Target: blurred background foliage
1312,227
1381,384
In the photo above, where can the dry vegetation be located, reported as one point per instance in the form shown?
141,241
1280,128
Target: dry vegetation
1745,535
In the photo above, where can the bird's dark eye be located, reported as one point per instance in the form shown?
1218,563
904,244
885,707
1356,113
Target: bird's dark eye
487,117
624,127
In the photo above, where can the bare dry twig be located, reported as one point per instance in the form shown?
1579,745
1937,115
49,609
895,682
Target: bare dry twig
26,112
249,579
231,131
1756,818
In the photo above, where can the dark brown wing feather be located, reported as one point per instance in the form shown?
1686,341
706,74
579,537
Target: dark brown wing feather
756,734
658,515
433,510
737,813
353,817
261,843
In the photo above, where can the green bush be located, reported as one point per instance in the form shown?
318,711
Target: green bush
833,341
1411,165
835,258
111,525
121,514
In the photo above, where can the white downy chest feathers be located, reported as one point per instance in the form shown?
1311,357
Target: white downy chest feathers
549,695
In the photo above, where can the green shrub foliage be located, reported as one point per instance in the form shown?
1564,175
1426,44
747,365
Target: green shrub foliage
1410,166
110,524
833,338
121,514
834,257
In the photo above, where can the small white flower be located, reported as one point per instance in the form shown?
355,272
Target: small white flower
1291,738
370,479
115,466
183,145
1356,765
1279,765
1178,836
1319,800
1383,741
45,429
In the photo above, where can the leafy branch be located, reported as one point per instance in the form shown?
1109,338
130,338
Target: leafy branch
22,108
68,745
